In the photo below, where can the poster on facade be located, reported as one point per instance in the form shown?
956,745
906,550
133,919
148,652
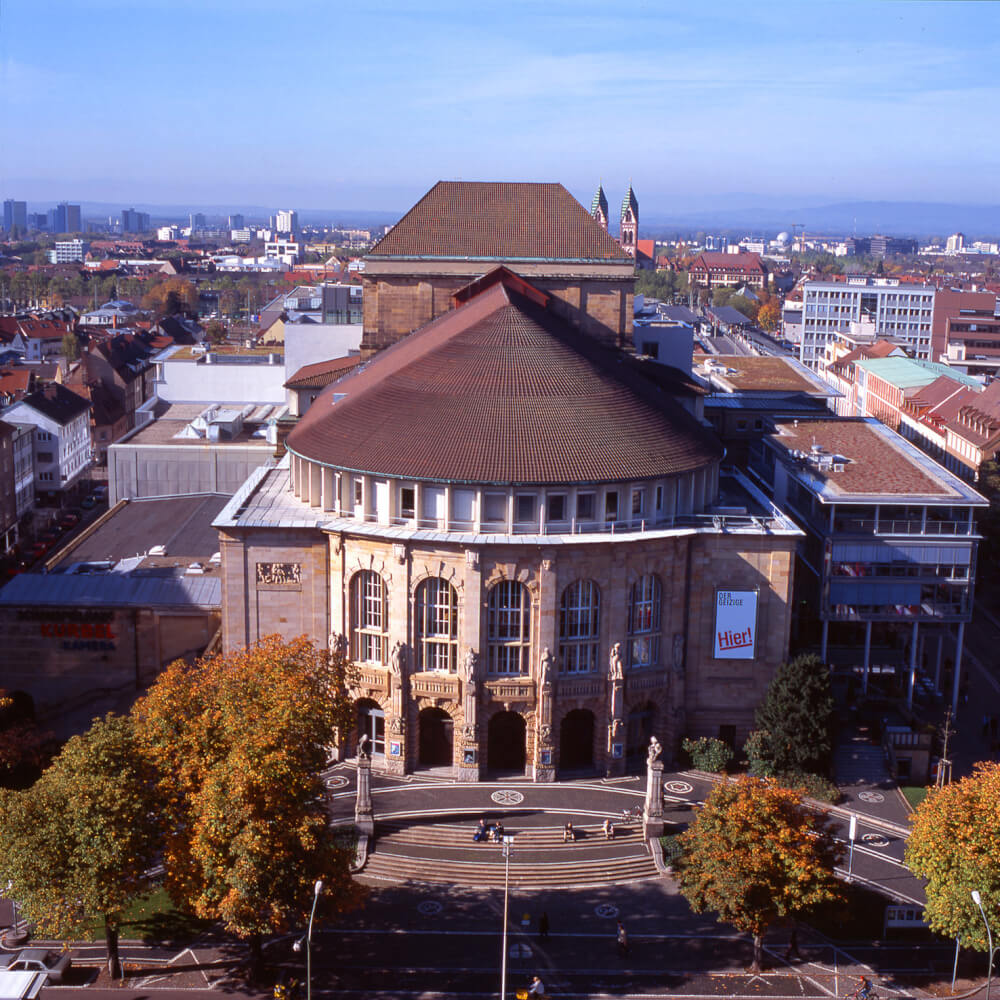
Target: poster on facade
735,624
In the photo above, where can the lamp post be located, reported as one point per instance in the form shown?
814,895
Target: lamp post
317,889
978,900
507,841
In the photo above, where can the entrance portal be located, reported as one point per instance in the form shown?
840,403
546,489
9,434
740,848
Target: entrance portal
576,740
436,738
505,744
371,723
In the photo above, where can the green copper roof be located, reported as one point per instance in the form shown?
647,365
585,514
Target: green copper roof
600,202
909,373
630,201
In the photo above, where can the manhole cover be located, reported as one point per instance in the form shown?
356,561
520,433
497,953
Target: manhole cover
678,787
336,781
507,797
606,910
871,796
875,840
429,907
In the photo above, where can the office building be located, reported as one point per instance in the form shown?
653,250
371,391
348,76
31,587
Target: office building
134,222
65,218
68,252
15,215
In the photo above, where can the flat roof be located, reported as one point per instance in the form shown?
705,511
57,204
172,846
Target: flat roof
767,374
880,466
172,418
910,373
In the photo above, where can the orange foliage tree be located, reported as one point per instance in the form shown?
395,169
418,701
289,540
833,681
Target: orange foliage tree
755,854
172,296
769,315
238,743
955,845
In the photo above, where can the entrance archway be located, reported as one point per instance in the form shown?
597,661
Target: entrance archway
576,740
638,730
371,723
505,743
436,738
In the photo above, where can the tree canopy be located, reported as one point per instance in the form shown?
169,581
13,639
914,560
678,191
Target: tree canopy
238,743
172,296
754,855
77,845
954,845
797,716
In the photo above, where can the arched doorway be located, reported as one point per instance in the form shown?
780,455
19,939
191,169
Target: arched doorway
371,723
638,730
436,738
505,748
576,740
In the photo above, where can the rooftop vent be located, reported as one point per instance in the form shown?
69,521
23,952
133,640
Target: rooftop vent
158,550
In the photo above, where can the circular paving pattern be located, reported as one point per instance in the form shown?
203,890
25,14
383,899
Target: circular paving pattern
871,796
507,797
678,787
875,840
335,781
606,910
429,907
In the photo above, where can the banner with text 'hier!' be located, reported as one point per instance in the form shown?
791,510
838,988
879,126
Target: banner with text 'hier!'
735,624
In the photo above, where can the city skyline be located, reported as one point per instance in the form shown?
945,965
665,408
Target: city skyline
366,106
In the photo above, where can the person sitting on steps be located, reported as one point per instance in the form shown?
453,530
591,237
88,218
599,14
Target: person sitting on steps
481,831
569,834
609,830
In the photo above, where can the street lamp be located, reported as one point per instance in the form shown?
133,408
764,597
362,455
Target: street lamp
317,889
507,841
978,900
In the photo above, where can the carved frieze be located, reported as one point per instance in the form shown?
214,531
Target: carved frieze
273,574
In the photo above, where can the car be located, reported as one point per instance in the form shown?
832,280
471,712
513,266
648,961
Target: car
54,964
99,493
88,503
50,535
69,520
39,549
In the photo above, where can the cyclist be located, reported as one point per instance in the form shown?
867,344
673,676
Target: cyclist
864,989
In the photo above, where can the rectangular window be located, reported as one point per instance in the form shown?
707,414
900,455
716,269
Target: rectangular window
407,502
359,492
659,498
585,506
638,502
611,506
556,504
495,508
45,456
525,507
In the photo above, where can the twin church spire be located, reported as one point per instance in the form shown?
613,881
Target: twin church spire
629,218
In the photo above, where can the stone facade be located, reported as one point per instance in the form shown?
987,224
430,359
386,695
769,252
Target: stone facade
589,720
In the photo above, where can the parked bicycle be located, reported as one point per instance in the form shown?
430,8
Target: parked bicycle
633,813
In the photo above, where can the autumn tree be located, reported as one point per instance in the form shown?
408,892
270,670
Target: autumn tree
77,844
755,855
170,297
953,844
238,743
769,315
797,717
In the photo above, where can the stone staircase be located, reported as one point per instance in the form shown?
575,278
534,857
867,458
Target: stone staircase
416,850
858,761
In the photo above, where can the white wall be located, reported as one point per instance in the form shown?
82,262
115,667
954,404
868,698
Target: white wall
307,343
190,382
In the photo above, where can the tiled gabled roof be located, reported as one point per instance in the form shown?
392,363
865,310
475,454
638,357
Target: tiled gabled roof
501,390
322,373
498,221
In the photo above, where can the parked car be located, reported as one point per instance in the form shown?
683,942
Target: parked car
99,493
39,549
69,520
50,535
53,963
88,503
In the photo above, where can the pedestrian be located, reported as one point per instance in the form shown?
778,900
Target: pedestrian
543,926
537,988
622,939
793,944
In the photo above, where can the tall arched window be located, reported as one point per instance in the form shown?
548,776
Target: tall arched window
508,628
579,627
437,626
369,618
644,622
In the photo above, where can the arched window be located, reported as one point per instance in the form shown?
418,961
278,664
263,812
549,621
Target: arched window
437,626
369,618
644,622
579,627
508,628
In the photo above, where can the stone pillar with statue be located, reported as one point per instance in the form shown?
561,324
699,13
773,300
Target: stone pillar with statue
544,755
468,763
615,759
364,813
395,763
652,813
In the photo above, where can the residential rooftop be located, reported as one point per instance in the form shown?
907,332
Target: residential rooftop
765,374
172,421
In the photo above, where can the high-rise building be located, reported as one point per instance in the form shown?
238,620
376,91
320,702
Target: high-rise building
236,221
134,222
956,243
65,218
197,221
286,221
15,215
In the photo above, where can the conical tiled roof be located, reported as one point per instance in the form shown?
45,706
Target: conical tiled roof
630,202
600,202
501,390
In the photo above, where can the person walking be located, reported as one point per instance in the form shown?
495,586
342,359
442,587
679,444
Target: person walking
543,926
622,939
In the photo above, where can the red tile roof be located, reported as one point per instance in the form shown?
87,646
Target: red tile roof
502,391
322,373
733,263
498,221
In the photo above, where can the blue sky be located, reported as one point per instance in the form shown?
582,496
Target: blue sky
363,104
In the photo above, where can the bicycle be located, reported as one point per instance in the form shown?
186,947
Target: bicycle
632,813
862,993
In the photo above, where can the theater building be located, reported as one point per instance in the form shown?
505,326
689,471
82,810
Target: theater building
526,542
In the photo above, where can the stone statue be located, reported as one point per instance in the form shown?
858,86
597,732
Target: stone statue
545,734
363,746
654,750
616,669
338,643
469,664
546,666
397,659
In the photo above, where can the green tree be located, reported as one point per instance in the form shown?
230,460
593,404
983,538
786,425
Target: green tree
77,844
755,855
797,715
70,347
954,845
215,332
238,741
22,743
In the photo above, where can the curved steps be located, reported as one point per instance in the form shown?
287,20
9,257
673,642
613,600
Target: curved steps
445,853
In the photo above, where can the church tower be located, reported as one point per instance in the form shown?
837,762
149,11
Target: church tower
630,222
599,207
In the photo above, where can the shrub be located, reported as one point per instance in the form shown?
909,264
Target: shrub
708,754
671,847
814,785
760,756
